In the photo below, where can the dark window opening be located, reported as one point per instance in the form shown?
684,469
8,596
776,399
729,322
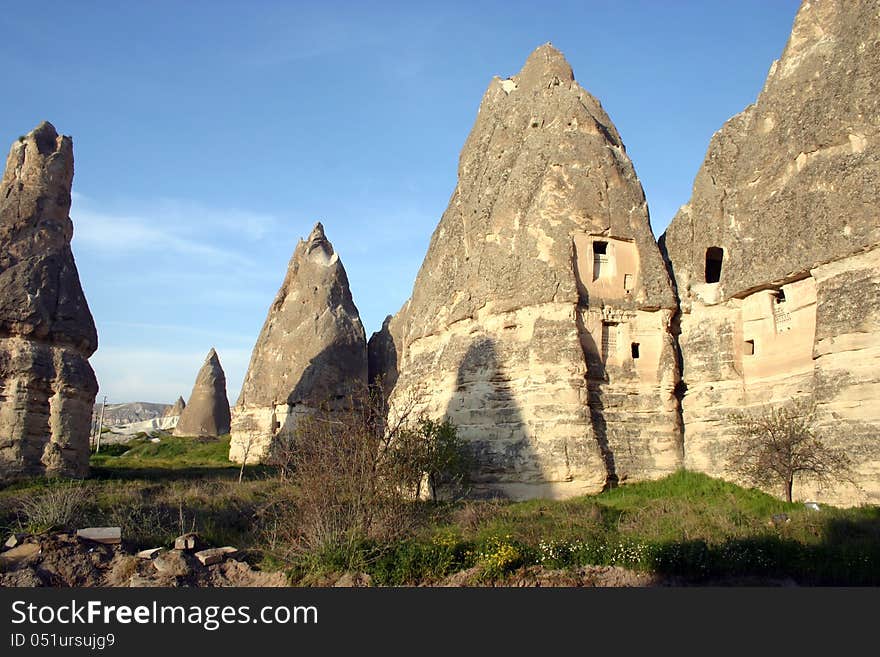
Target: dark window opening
714,258
600,259
749,348
634,347
780,296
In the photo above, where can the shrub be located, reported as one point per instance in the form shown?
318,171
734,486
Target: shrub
60,506
356,476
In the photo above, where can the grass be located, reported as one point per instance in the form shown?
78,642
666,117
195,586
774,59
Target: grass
171,457
687,526
154,491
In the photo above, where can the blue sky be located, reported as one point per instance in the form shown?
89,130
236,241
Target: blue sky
210,136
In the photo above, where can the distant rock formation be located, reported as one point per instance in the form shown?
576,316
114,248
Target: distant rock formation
47,387
776,255
207,412
311,352
540,319
176,409
130,412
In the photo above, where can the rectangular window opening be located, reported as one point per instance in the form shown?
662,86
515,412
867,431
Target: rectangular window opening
714,260
634,348
628,282
749,348
600,259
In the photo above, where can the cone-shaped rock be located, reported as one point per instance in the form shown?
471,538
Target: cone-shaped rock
207,412
47,387
310,354
776,255
539,321
176,409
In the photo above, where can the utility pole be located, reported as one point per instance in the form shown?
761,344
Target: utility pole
100,426
94,424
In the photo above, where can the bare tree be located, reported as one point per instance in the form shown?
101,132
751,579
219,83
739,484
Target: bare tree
778,443
356,470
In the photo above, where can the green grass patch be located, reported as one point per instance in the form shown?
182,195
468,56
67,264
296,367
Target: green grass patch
686,526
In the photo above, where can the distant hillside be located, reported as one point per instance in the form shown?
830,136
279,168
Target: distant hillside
116,414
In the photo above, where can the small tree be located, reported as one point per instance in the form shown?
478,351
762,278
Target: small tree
778,443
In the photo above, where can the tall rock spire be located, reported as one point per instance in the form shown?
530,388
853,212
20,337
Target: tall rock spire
776,255
207,412
543,304
310,353
47,387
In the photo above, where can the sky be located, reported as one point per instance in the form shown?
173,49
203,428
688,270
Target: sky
209,137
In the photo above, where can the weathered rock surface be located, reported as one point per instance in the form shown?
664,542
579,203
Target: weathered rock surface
47,387
130,413
176,409
776,255
106,535
207,413
311,352
540,319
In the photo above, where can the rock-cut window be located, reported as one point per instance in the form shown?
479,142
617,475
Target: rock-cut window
714,260
600,259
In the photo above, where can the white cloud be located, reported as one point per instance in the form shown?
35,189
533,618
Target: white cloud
172,226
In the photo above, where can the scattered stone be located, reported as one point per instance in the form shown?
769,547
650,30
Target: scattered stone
105,535
354,580
311,352
207,413
149,554
20,554
812,506
187,542
155,440
46,329
13,540
215,555
172,564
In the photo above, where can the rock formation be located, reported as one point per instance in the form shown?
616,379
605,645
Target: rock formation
176,409
207,413
129,413
310,353
47,387
540,319
776,255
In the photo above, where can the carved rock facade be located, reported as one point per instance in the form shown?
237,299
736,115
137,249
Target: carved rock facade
540,319
776,256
